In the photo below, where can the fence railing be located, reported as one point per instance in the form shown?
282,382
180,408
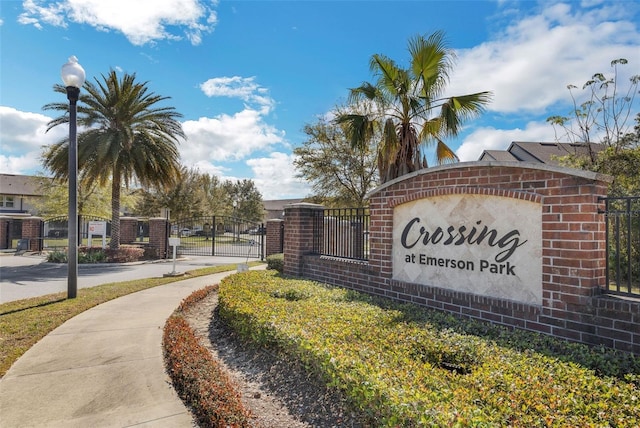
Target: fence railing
623,244
54,231
343,233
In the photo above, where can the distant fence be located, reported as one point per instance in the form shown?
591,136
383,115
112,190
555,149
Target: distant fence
343,233
623,244
55,231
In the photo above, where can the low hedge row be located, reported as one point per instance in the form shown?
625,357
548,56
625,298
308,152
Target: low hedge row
198,378
403,365
124,254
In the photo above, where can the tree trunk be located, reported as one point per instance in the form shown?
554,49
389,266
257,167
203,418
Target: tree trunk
114,244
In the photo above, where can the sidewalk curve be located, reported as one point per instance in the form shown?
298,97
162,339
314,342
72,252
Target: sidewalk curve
102,368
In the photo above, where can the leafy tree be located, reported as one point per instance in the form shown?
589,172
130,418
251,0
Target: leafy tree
410,110
605,114
248,200
212,194
128,138
604,117
338,171
197,194
621,161
180,198
93,200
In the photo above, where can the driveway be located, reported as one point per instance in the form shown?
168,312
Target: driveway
29,275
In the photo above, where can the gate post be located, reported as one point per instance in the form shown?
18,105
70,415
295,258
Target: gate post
274,238
128,230
4,233
299,235
31,228
158,236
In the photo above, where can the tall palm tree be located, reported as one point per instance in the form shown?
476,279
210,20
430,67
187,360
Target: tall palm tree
410,110
127,138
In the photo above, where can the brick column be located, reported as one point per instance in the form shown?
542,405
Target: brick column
128,230
274,237
4,233
574,243
158,236
31,228
300,220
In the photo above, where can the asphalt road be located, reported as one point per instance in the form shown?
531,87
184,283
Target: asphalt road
29,275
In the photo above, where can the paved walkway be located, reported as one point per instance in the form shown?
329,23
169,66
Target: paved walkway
102,368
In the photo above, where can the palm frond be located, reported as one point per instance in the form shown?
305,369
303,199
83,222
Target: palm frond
444,154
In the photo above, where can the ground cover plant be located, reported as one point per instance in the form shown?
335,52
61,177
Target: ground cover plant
24,322
403,365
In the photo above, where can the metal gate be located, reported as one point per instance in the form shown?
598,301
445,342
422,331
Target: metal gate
219,236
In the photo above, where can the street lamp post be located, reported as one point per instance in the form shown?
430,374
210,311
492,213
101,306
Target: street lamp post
73,77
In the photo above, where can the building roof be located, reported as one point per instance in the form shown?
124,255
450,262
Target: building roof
543,152
497,155
278,204
20,185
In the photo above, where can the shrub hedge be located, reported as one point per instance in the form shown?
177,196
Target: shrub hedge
124,254
276,262
200,381
404,365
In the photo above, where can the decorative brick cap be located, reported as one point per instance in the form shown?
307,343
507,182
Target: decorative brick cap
307,205
589,175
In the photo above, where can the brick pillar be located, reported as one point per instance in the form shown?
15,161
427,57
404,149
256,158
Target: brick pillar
574,243
274,237
31,228
158,236
4,233
128,230
300,221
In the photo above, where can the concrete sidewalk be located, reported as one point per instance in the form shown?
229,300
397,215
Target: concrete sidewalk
102,368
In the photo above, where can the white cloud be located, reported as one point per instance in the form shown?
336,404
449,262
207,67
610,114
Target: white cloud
227,137
530,63
244,88
275,177
500,139
141,21
22,136
51,14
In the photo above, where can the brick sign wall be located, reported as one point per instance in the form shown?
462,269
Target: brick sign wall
518,244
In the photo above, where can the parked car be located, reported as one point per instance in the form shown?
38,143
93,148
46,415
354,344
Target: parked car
57,233
258,230
185,232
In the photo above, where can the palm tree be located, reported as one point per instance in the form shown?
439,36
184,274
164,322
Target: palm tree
410,110
127,138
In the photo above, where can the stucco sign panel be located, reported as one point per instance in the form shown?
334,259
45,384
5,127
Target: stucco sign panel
486,245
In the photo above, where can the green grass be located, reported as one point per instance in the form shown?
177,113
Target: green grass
24,322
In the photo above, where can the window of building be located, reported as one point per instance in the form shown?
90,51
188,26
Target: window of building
6,201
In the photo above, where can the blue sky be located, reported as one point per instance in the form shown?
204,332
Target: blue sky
248,75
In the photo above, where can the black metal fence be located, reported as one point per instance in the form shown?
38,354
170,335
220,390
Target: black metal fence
623,244
343,233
